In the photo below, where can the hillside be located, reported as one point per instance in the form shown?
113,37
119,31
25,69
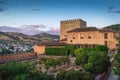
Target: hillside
46,35
42,37
115,27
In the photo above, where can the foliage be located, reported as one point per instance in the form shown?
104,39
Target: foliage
115,27
22,71
61,75
93,60
117,64
74,75
81,56
98,62
66,50
56,51
102,48
50,62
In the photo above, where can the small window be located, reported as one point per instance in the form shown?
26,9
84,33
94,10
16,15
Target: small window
93,46
106,43
73,37
70,40
86,46
81,36
105,36
89,37
116,44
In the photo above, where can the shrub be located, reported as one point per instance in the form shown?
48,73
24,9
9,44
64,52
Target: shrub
66,50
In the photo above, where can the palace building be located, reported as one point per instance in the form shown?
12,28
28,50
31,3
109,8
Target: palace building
77,33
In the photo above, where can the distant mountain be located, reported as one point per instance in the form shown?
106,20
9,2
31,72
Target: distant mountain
27,31
115,27
42,37
18,30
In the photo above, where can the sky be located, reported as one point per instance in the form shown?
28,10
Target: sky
49,13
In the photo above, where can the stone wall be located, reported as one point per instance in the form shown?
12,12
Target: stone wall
70,25
96,37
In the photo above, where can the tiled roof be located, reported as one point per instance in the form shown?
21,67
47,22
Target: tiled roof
52,44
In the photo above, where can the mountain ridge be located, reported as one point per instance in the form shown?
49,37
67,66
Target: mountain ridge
41,37
26,31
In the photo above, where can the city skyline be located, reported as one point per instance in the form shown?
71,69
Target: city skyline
49,13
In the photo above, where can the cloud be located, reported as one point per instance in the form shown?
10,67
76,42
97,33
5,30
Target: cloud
116,11
112,10
3,5
53,30
111,7
35,9
33,27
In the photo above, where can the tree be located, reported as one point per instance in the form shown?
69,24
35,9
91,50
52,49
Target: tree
117,64
64,60
81,56
74,75
93,60
98,62
22,71
102,48
61,75
87,76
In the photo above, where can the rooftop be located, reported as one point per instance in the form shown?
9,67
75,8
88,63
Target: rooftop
72,20
52,44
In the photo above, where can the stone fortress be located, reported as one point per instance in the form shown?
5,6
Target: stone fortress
77,33
68,25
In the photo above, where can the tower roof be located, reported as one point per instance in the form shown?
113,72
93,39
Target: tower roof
72,20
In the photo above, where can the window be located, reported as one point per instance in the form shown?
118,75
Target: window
93,46
81,37
86,46
89,37
106,43
105,36
117,45
73,37
70,40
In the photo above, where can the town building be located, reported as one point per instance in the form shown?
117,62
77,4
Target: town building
77,33
92,35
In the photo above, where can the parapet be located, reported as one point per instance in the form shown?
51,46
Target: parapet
71,20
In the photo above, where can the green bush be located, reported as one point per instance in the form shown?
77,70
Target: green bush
95,60
67,50
74,75
102,48
22,71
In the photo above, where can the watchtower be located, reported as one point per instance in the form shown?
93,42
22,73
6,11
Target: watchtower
67,25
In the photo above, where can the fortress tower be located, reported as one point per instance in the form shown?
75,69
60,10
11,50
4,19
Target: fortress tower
68,25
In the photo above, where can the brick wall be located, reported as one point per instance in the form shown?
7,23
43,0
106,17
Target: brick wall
16,57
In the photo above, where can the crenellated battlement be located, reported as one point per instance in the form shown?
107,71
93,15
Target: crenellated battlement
73,20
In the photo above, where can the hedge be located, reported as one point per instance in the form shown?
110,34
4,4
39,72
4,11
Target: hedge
66,50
